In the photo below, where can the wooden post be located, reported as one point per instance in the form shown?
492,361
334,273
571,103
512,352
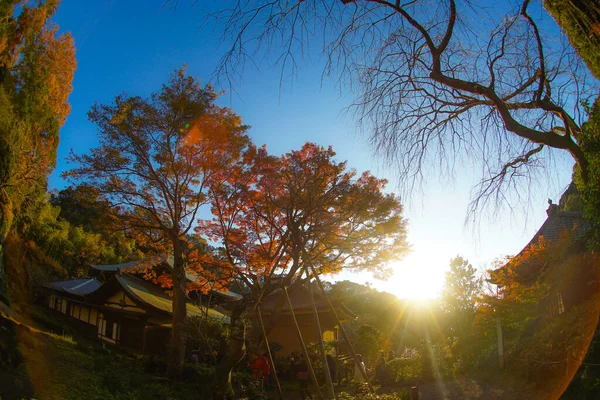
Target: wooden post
310,368
262,327
500,342
321,345
414,393
343,330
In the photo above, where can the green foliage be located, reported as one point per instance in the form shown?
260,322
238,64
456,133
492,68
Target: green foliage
246,387
573,203
586,383
72,247
3,277
461,292
590,189
368,342
83,206
375,308
581,22
207,338
36,71
539,331
66,366
405,370
401,395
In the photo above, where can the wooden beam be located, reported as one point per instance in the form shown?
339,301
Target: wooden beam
262,328
321,344
310,368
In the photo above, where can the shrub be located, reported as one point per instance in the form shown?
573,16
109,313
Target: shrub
402,395
246,387
404,370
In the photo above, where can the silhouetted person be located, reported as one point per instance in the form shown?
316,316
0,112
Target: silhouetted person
300,368
381,369
332,365
260,367
359,379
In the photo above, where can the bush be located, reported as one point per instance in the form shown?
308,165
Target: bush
206,338
246,387
402,395
199,373
404,370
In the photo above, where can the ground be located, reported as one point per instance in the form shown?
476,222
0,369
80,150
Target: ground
54,363
61,366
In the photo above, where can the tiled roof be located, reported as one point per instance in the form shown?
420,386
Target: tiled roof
562,221
132,265
149,294
556,223
301,301
79,287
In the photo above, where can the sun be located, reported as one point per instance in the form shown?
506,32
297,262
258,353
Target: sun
419,277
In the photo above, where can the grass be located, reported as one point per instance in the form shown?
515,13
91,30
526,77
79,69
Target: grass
64,366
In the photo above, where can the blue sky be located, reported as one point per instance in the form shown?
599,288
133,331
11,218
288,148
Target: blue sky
131,46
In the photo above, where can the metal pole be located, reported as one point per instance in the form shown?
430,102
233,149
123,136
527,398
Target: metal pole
321,345
262,327
310,368
343,330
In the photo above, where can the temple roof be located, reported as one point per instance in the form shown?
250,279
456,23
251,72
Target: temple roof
133,266
301,301
562,221
557,223
144,292
78,287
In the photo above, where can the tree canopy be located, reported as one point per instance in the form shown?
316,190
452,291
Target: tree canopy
276,217
153,165
37,66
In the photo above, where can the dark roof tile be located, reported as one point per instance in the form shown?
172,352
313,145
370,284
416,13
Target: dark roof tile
79,287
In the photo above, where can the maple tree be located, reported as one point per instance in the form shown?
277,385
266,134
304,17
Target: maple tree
155,161
276,216
36,73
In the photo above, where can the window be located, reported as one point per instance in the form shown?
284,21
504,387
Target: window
93,316
558,306
52,301
63,306
84,314
108,330
75,310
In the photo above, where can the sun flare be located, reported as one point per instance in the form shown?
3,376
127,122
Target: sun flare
419,277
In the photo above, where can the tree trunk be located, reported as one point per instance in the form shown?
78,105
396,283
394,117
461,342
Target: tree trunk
233,354
177,348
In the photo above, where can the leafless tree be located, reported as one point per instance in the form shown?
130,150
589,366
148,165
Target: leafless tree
439,81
